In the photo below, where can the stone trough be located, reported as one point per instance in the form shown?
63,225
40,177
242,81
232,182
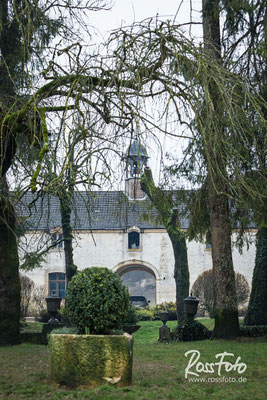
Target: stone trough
91,360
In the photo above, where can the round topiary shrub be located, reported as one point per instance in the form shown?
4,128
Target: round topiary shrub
98,300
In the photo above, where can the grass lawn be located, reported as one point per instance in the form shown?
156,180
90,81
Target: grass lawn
158,372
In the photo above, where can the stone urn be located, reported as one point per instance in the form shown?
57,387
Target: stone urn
53,305
131,328
91,360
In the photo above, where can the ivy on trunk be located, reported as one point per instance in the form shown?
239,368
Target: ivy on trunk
169,217
9,276
257,308
226,313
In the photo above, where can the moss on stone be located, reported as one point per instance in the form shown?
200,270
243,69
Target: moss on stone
91,360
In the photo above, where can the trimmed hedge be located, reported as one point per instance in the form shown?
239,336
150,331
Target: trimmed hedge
253,331
194,330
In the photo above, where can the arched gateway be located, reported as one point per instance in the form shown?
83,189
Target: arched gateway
140,278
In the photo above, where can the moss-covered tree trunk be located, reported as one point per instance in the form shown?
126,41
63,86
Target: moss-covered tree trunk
225,302
257,308
226,314
9,276
65,210
181,272
169,217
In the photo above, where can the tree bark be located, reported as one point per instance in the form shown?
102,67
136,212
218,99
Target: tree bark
169,217
65,210
226,314
257,308
9,276
225,302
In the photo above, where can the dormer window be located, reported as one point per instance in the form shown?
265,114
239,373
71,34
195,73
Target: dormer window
134,239
57,240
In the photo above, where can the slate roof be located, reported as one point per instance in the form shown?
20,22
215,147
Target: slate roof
101,210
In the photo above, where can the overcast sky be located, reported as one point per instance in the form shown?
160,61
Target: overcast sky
125,12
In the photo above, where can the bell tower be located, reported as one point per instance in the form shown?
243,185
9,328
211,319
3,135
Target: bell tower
136,159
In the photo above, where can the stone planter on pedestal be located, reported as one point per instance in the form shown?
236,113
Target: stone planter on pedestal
91,360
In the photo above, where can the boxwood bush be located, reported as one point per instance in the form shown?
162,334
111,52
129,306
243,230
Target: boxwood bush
97,300
190,331
253,330
170,307
144,315
132,316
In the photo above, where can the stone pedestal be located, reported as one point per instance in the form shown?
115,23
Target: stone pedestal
164,334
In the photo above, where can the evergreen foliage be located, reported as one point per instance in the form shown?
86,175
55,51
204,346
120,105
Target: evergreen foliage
97,300
9,276
257,308
190,331
170,218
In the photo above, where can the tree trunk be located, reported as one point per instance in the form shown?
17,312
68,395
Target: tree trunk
181,272
170,220
65,210
9,276
225,303
226,314
257,308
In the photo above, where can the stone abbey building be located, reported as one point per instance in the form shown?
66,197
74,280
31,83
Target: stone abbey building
119,230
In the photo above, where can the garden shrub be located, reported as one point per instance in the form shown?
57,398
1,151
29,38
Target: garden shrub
143,314
64,319
189,331
38,305
68,330
203,289
97,300
170,307
253,331
132,316
26,288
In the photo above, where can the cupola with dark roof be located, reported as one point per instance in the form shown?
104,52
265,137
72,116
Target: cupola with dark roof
136,159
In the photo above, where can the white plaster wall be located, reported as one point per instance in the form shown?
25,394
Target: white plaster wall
200,259
245,262
110,248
